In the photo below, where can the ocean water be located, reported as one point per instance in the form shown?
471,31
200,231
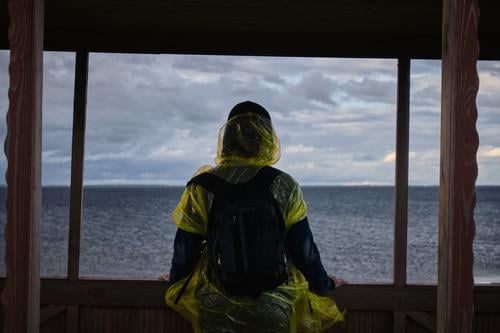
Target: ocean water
127,232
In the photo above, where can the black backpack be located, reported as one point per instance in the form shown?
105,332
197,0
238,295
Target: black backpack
246,234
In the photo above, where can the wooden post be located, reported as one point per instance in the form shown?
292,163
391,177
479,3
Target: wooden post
401,185
459,144
77,157
23,148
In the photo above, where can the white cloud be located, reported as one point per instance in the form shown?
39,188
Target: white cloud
489,152
50,157
299,149
390,157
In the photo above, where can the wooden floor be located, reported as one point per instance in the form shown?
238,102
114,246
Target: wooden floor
98,306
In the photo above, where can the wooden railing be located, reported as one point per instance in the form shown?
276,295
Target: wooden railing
65,297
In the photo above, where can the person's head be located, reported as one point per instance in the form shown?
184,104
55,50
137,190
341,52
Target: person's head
248,137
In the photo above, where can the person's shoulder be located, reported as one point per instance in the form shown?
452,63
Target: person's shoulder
202,169
286,179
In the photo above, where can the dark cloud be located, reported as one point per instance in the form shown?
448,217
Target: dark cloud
317,87
425,67
4,64
371,90
427,96
276,79
221,65
365,157
489,100
491,67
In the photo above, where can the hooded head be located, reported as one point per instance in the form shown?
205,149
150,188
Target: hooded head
248,137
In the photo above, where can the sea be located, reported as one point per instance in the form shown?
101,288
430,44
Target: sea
128,233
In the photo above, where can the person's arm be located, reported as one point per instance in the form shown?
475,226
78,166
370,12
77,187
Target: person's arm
305,256
187,251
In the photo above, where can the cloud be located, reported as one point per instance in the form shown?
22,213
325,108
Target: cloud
390,157
202,64
299,149
155,118
370,90
489,152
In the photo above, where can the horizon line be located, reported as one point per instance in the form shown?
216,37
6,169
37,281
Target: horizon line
301,184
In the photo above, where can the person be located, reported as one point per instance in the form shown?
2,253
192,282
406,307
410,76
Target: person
247,146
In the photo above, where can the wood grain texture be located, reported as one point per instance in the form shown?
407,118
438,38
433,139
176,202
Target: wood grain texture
365,322
487,322
72,319
121,319
77,160
56,324
21,294
459,144
424,319
151,294
49,311
412,326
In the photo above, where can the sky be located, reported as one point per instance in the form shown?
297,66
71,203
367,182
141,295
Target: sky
154,119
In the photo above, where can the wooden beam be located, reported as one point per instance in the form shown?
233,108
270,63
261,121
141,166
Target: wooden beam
72,319
354,297
401,185
77,159
50,311
151,293
459,144
23,148
346,28
423,319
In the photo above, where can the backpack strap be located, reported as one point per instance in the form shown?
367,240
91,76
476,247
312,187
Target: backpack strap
212,183
264,177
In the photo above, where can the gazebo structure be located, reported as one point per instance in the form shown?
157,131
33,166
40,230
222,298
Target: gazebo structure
406,29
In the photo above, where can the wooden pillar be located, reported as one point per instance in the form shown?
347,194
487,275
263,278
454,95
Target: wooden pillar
77,157
459,144
401,184
76,196
21,294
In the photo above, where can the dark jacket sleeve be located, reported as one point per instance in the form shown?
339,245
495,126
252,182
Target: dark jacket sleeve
305,256
187,252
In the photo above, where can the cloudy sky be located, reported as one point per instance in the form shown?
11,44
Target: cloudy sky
154,119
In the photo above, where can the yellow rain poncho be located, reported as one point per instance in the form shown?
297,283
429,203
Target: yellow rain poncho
246,143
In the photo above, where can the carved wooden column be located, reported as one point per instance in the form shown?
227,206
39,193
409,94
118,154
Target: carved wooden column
459,144
21,295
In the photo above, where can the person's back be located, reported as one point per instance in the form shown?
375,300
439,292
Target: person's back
246,234
247,146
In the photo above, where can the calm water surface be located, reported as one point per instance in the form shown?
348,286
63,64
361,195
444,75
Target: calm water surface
128,231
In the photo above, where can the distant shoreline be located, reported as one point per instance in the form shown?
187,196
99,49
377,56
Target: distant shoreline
302,185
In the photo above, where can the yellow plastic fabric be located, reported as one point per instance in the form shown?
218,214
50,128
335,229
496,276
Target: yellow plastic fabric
288,308
191,214
248,139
